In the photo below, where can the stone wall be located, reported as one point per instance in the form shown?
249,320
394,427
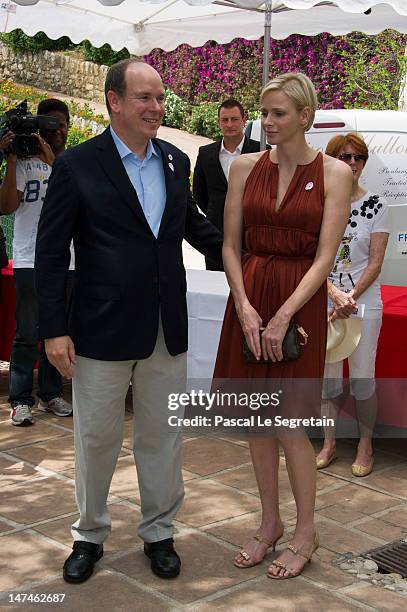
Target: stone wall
54,72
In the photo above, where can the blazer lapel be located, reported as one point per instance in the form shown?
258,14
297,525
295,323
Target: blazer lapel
169,175
219,175
246,148
115,171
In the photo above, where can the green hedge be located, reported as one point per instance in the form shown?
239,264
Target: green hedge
7,223
203,120
21,43
102,55
176,111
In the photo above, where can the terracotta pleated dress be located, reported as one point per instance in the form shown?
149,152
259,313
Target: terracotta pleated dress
281,245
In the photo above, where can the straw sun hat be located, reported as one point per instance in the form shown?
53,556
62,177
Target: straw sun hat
343,338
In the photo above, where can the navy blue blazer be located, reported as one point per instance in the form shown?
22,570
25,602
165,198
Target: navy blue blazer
124,274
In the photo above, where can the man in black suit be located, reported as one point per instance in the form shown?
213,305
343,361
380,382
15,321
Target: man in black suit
124,198
210,183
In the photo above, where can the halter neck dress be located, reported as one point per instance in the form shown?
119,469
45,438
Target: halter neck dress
281,246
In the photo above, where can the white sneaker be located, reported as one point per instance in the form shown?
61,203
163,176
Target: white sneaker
57,405
21,415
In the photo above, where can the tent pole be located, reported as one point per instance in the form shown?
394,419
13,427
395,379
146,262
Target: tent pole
266,56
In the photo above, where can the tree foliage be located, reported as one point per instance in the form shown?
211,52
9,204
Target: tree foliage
21,43
104,54
375,66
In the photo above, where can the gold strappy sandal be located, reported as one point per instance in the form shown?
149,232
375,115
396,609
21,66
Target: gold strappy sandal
246,555
295,551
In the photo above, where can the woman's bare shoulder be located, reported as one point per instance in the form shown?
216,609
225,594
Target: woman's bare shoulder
245,163
335,170
249,158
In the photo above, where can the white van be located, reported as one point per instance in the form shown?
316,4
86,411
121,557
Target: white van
385,133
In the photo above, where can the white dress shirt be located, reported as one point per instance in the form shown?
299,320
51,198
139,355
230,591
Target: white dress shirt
226,157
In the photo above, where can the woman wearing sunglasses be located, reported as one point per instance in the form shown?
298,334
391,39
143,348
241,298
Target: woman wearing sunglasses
354,281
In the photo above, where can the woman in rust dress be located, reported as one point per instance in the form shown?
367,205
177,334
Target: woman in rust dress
292,204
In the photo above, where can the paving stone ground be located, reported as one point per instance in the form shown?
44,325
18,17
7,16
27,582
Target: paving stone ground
221,511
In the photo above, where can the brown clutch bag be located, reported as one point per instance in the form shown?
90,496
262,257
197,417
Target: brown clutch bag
294,339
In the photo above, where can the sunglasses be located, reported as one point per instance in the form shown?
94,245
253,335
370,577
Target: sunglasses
347,157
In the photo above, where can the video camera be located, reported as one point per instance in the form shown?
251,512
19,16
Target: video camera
23,124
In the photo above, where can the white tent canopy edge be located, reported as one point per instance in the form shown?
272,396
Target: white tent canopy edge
141,27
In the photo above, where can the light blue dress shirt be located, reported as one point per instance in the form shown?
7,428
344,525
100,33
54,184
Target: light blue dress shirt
147,177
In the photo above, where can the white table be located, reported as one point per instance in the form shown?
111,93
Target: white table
207,293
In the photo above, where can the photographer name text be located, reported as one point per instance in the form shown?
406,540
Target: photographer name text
254,420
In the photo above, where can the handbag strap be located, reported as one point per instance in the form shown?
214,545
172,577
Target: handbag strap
304,335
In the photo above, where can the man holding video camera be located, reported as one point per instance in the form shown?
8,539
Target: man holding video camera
30,156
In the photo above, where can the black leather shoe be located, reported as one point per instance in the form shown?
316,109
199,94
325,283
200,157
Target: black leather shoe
165,562
80,564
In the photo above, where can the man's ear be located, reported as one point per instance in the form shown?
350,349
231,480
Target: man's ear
114,100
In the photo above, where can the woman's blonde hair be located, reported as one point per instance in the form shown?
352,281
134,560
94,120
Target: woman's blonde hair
299,88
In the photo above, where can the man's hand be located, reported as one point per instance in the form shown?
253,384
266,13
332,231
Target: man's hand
6,141
45,153
61,353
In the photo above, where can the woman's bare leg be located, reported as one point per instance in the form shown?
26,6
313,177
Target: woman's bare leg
265,458
300,460
366,411
330,409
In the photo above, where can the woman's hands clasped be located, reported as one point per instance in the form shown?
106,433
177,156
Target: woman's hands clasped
344,304
250,322
268,343
272,338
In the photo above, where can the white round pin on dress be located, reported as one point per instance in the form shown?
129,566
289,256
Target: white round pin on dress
309,186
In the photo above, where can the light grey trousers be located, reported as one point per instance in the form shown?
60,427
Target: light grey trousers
99,392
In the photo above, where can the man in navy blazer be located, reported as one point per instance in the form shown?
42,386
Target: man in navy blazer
124,198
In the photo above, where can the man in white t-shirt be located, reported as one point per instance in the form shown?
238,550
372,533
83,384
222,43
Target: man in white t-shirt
23,192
